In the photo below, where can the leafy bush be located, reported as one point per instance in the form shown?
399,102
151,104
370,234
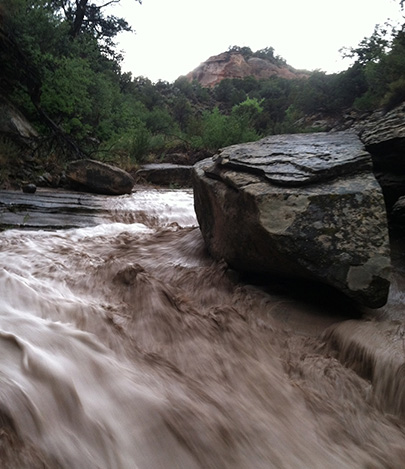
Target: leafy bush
140,141
215,129
395,95
133,145
220,130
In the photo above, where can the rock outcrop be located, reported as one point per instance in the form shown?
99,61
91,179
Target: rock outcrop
166,174
397,214
52,210
235,65
94,176
13,124
18,140
383,135
303,205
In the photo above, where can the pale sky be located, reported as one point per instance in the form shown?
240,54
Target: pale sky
174,36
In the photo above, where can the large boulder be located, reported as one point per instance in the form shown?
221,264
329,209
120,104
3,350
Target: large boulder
94,176
303,205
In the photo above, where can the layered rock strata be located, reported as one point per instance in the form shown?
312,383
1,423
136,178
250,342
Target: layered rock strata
383,135
166,174
303,205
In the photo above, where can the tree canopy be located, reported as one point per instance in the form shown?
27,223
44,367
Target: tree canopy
59,65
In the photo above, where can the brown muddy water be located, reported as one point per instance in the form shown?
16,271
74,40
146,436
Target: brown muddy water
124,345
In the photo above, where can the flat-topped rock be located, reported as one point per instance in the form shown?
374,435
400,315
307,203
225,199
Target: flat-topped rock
51,209
298,159
327,225
166,174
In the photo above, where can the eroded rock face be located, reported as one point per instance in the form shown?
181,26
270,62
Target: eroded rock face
384,128
301,206
234,65
383,135
101,178
13,123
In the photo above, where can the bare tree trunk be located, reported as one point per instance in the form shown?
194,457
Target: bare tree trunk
79,17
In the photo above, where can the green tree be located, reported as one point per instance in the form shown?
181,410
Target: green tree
54,77
83,16
215,129
381,60
372,48
182,111
268,53
316,94
248,112
245,51
220,130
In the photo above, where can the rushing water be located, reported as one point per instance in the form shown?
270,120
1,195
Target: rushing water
124,345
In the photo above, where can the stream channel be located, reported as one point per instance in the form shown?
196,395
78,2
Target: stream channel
124,345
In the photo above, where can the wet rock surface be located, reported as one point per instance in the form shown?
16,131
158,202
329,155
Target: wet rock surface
29,188
329,225
50,209
101,178
381,348
383,135
383,128
166,174
298,159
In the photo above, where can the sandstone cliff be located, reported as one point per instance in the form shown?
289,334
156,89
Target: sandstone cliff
234,65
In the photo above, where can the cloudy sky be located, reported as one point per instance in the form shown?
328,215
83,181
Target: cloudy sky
174,36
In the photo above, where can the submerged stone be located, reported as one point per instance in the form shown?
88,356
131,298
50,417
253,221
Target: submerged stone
375,351
302,206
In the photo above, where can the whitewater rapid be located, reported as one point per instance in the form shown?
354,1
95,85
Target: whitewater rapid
124,345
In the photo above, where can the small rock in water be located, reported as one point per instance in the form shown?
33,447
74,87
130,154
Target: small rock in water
29,188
